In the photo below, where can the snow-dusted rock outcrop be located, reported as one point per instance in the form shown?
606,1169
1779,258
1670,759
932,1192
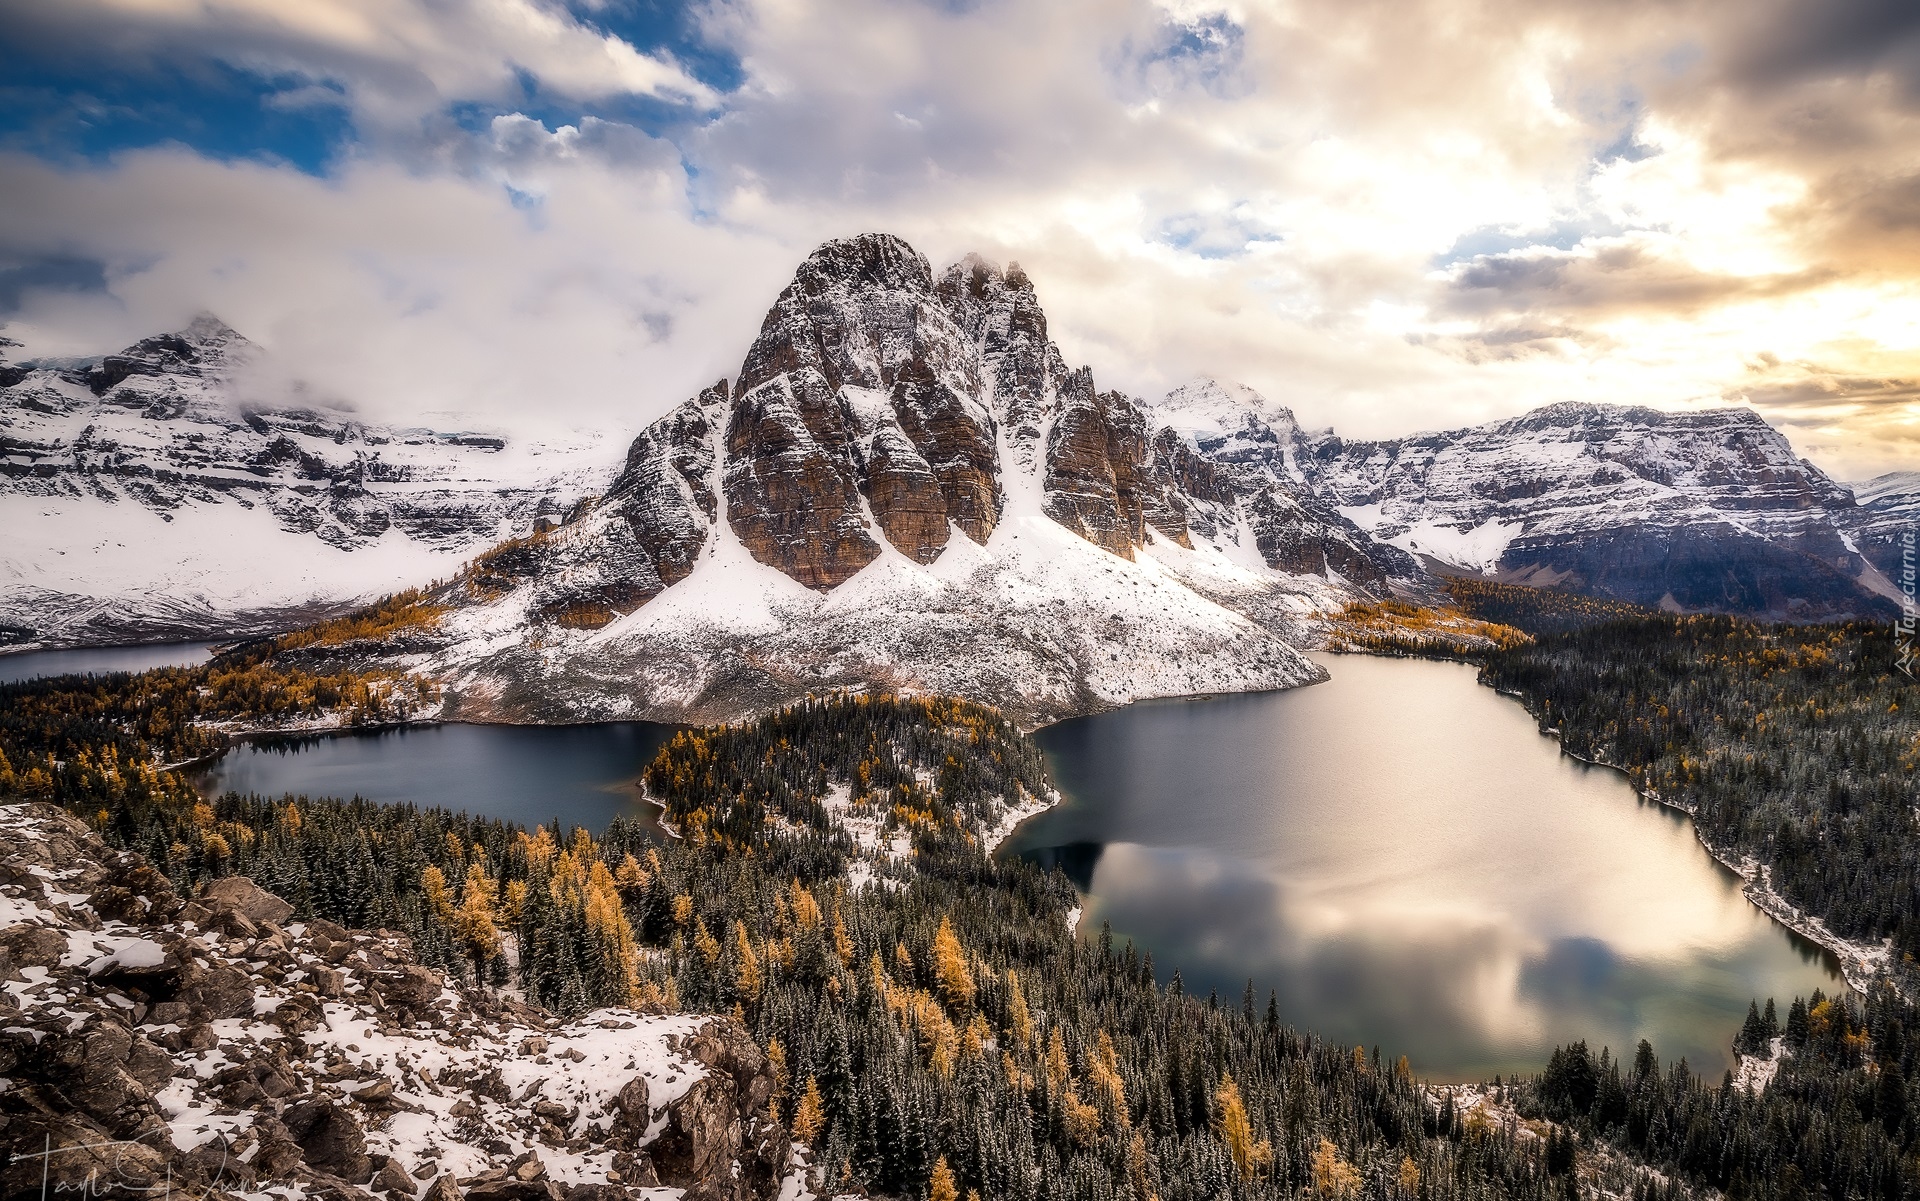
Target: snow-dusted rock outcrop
1259,446
151,1043
150,495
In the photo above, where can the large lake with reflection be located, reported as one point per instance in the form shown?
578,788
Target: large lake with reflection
1409,863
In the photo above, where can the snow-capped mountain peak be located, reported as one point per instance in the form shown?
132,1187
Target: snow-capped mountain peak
905,487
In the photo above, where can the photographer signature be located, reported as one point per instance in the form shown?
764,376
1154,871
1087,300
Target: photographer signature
94,1185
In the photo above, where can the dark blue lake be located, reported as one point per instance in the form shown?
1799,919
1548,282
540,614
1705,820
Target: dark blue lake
583,775
99,660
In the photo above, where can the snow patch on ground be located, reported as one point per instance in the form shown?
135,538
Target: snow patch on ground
1758,1071
1479,547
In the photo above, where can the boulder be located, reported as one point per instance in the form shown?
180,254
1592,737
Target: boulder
702,1134
218,993
412,987
393,1179
33,946
509,1189
241,895
135,892
330,1139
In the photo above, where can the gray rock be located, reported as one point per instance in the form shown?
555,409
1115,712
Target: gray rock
243,896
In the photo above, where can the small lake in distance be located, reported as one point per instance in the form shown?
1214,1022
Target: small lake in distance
1409,863
100,660
582,775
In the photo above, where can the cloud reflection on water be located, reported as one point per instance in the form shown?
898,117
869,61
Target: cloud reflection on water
1449,886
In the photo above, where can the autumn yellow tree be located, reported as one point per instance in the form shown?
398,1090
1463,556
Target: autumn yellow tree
433,887
1250,1157
705,943
475,925
1056,1064
1140,1168
1019,1019
777,1065
1409,1176
1332,1175
941,1186
950,967
746,966
1104,1073
631,878
810,1114
806,910
1081,1119
842,943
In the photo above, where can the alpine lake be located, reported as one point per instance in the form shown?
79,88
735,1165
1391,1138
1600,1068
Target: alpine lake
1397,854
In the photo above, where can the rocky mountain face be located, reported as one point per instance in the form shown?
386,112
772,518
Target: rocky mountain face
1885,524
152,496
152,1042
881,403
1701,511
1254,446
906,486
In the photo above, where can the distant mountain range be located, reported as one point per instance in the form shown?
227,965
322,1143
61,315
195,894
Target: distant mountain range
905,485
149,495
1690,512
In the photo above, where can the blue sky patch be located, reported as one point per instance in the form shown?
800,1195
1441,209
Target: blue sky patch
61,100
63,110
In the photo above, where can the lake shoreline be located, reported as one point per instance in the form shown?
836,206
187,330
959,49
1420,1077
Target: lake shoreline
1860,964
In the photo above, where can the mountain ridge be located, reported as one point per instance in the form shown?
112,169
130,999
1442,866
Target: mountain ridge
905,485
152,494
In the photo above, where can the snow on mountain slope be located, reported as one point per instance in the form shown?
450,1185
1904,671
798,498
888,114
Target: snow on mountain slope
1692,511
1039,621
1885,524
905,488
1233,423
148,498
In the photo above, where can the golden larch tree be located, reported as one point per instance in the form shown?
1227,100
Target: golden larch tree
810,1115
941,1186
1250,1157
950,967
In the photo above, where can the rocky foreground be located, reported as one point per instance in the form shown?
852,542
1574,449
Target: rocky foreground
151,1042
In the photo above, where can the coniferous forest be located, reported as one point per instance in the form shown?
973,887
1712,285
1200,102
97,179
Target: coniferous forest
939,1031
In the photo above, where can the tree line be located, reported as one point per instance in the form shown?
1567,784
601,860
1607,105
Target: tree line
940,1033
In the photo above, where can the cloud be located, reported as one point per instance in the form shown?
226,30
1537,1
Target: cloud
1606,276
396,60
1390,215
53,273
414,298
